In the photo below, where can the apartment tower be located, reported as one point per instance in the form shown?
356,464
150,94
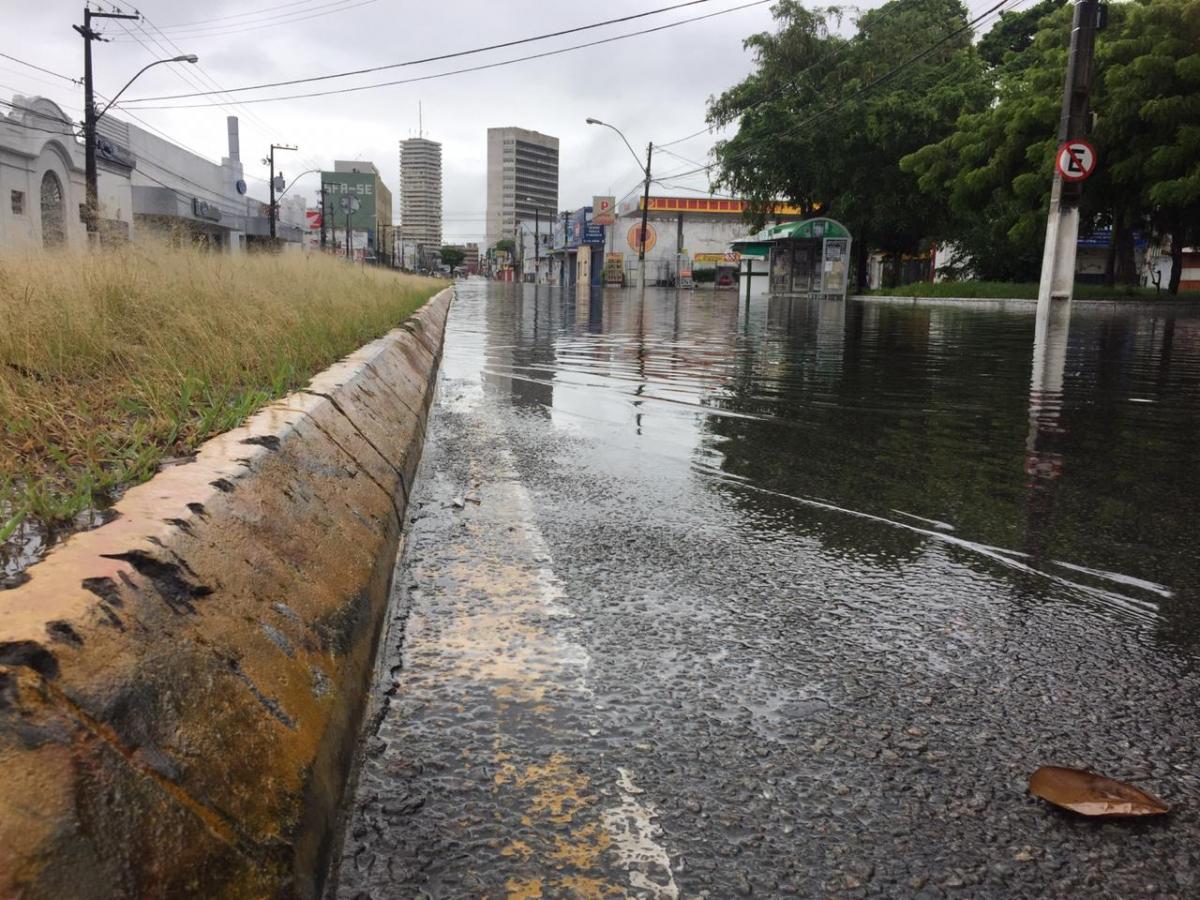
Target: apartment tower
421,192
522,181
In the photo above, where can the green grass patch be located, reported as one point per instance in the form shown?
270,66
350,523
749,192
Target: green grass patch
1002,290
111,362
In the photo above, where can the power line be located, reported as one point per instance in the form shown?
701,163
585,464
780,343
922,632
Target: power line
242,15
870,85
494,65
337,7
40,69
17,124
882,14
439,58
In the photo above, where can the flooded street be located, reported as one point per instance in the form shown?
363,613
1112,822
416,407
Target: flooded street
713,598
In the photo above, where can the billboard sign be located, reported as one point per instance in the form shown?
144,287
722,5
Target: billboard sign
604,210
359,186
593,233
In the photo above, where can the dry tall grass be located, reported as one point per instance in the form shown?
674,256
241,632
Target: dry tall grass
111,362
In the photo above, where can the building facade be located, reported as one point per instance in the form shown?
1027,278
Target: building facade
146,185
681,232
522,180
41,177
421,192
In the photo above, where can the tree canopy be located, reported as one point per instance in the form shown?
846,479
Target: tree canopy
908,132
453,256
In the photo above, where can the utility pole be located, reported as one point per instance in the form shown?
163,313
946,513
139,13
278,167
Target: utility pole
349,239
322,195
1062,226
91,195
645,215
566,239
537,243
271,161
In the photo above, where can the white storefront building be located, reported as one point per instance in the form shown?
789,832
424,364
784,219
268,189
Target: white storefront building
146,185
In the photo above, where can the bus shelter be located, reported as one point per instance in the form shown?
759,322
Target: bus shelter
808,258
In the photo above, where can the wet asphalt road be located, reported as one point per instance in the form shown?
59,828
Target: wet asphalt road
623,661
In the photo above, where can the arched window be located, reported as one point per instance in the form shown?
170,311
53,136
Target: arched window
53,220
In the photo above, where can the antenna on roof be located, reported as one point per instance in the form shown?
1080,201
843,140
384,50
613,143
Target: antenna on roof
420,121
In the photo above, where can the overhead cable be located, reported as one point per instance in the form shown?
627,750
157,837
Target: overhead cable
436,75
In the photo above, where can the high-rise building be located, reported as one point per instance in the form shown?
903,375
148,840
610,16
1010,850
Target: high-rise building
421,192
522,179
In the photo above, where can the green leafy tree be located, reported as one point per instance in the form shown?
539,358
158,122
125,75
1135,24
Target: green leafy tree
453,257
824,120
1149,123
994,171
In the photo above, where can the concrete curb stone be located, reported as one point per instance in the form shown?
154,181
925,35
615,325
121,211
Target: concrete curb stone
181,689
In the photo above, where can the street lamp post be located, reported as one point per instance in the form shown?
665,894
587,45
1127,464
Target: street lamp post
91,118
645,197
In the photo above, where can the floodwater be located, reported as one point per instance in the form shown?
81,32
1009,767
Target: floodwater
708,596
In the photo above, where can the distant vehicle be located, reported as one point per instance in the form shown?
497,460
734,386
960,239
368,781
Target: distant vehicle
726,277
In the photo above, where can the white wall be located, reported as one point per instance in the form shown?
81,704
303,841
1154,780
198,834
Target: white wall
28,150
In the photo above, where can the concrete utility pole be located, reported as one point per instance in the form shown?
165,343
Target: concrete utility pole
270,160
91,201
1062,226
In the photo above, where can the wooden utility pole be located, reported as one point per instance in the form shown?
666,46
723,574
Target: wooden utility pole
91,192
645,216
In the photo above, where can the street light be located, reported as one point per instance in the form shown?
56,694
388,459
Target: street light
185,57
91,118
645,197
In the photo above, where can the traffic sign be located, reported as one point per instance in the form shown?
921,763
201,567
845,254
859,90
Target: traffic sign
1076,160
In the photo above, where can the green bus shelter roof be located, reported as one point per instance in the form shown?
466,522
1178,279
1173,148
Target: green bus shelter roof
808,228
760,244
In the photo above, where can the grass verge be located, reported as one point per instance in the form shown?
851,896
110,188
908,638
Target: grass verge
1002,290
112,362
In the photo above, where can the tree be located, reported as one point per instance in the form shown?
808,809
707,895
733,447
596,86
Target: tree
453,256
993,172
507,245
995,169
1151,72
824,121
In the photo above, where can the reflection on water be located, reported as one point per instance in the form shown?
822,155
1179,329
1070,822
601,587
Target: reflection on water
881,428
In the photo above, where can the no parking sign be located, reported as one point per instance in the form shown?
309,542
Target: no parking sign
1076,160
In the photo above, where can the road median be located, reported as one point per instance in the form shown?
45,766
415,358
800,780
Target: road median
181,688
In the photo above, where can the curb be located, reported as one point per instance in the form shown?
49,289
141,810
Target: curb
181,689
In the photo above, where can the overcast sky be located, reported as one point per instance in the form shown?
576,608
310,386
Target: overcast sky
654,86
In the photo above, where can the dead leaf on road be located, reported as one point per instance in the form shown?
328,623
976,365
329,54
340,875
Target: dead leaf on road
1090,794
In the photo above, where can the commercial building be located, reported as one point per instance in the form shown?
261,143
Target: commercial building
682,233
576,252
146,185
421,192
522,180
357,213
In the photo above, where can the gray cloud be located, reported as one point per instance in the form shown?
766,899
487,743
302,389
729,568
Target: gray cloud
654,87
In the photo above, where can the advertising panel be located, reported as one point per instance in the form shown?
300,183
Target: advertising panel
614,268
349,186
604,210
